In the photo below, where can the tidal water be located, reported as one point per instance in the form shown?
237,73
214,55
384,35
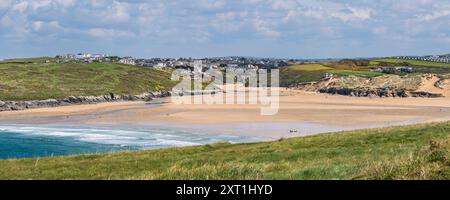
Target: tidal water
25,141
18,141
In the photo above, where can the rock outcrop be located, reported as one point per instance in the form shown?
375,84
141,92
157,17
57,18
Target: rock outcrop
429,85
377,92
77,100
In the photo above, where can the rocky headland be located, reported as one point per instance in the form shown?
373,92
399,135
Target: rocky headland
429,85
78,100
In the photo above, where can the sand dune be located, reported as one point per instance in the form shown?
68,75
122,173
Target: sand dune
434,84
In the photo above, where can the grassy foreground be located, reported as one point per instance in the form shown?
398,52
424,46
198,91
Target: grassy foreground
408,152
32,81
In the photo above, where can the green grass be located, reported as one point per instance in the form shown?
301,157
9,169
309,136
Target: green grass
420,67
412,62
32,81
30,60
316,72
302,73
310,67
289,76
407,152
364,73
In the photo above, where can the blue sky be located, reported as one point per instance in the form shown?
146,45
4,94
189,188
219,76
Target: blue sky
206,28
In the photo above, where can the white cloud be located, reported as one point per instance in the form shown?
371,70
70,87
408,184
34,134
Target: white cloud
116,12
150,13
435,15
352,13
379,30
29,5
4,4
212,4
108,33
264,28
283,4
344,14
314,13
191,21
40,26
251,1
322,10
229,21
66,3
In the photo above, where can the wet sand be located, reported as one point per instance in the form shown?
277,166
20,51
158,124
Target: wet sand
300,113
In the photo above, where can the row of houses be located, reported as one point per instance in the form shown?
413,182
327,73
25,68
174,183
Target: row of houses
219,63
186,63
394,70
87,57
433,58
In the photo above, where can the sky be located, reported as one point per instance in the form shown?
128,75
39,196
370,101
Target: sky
210,28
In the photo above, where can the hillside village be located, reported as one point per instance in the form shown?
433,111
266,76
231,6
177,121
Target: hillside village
233,61
293,72
432,58
160,63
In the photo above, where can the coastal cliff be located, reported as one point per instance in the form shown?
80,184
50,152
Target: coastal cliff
78,100
429,85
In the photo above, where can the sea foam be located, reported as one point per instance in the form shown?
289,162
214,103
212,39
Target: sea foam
142,138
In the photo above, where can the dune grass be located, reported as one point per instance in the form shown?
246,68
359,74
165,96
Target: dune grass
405,152
32,81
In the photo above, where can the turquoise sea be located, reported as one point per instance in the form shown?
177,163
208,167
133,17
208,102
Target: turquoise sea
19,141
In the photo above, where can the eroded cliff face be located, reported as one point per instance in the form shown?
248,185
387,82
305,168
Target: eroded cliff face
77,100
429,85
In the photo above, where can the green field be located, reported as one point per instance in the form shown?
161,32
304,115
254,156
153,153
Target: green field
315,72
346,72
310,67
408,152
412,62
34,78
30,60
420,67
32,81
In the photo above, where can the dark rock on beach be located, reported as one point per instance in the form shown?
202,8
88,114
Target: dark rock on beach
378,92
78,100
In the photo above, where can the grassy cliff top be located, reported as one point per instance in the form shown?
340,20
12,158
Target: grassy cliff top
20,80
313,72
407,152
30,60
411,62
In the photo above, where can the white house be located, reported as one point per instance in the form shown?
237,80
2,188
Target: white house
127,61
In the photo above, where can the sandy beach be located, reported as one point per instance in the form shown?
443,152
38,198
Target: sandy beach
300,112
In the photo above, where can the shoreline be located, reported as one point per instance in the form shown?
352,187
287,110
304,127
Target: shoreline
6,105
162,124
300,113
78,100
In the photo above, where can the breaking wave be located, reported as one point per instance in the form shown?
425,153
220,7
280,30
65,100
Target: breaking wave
113,138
